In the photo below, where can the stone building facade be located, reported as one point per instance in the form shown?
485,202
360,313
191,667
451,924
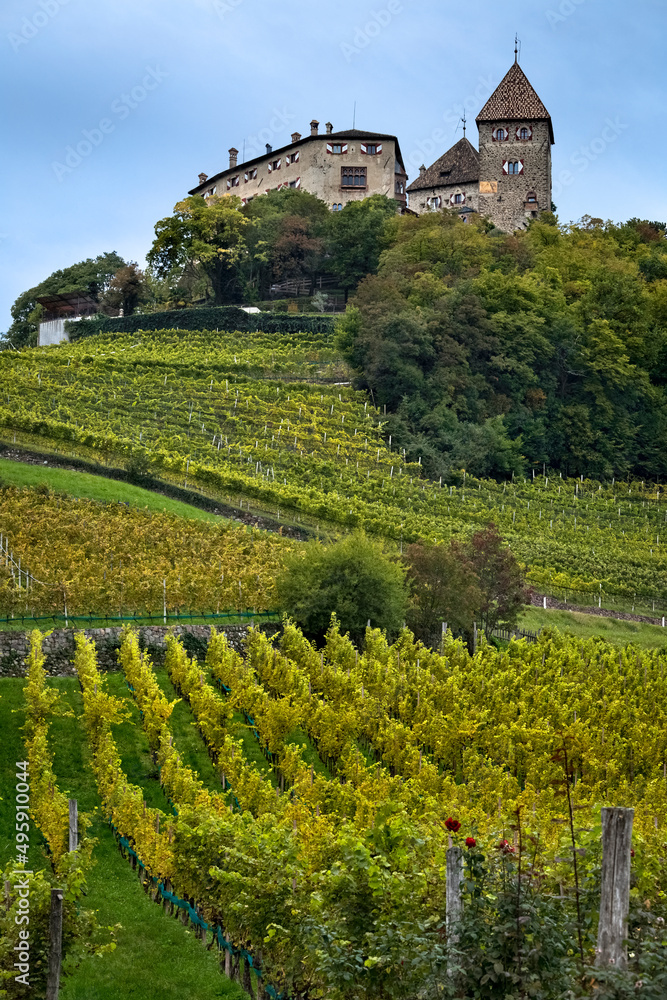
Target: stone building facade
337,167
512,170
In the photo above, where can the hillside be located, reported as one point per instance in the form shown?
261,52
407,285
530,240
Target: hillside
259,421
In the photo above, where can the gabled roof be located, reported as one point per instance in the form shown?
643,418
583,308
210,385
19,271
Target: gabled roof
514,99
351,133
459,165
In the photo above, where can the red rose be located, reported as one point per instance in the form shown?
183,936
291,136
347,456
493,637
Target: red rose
452,825
505,847
632,852
471,842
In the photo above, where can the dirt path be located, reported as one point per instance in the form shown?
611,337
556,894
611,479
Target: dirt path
537,600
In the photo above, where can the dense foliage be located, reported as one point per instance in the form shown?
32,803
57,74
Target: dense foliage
498,352
354,579
337,879
90,277
463,583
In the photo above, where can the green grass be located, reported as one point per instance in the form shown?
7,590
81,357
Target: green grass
89,487
584,626
156,957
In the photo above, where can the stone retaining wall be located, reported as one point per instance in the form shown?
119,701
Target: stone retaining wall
59,646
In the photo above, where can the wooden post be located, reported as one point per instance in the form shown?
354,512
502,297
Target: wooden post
615,891
453,889
56,942
73,825
247,981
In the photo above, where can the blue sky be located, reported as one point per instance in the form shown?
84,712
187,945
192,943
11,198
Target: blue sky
175,83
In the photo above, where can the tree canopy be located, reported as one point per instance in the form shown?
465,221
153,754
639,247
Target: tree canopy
90,277
495,352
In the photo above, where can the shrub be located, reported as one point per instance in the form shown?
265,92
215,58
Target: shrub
355,578
204,318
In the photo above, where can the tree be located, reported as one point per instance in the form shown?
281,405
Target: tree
89,277
355,238
209,233
126,289
285,239
499,579
444,589
355,578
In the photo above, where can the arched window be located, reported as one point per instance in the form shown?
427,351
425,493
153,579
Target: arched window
532,197
524,133
501,135
458,199
513,167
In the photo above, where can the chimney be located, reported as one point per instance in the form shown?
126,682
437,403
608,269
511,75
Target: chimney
296,136
233,157
422,170
269,149
329,128
203,178
314,127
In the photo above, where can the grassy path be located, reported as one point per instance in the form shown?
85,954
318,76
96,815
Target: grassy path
156,957
89,487
585,626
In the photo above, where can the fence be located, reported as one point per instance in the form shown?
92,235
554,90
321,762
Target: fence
231,617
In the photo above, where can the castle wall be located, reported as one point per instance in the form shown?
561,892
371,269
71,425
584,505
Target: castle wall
316,171
505,197
419,199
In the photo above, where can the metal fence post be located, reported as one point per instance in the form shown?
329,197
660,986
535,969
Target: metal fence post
615,890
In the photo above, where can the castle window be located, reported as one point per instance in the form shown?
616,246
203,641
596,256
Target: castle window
513,167
434,202
250,175
532,197
524,133
293,157
371,149
500,134
399,187
458,199
353,177
337,207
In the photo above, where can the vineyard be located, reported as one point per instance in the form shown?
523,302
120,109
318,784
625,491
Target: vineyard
60,554
258,421
327,860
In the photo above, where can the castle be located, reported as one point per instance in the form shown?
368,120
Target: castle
508,179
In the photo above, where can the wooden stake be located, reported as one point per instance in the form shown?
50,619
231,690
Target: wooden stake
56,944
615,891
73,825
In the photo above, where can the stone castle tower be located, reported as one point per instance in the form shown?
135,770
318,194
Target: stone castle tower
509,179
515,139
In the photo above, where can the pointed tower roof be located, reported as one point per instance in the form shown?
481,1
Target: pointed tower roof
459,165
514,99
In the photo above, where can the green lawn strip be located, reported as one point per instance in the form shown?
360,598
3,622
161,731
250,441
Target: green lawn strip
156,957
309,753
187,738
585,626
89,487
12,750
132,745
252,751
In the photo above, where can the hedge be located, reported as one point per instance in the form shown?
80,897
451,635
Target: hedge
206,318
